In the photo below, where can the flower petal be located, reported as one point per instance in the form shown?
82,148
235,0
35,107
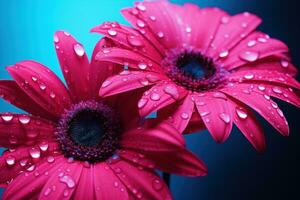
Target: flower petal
179,115
19,129
243,54
27,185
127,58
215,113
231,31
127,80
99,71
107,184
128,38
141,183
74,64
246,121
160,96
43,86
260,103
85,187
150,146
12,93
65,181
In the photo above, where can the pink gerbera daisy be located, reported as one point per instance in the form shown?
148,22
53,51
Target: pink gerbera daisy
75,145
206,68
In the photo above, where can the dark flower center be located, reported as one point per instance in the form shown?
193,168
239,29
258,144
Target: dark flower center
189,68
89,131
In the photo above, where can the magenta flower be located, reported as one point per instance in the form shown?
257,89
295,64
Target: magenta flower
75,145
205,68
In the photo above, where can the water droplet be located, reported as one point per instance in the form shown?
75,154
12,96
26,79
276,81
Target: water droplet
142,66
249,56
140,23
116,184
42,86
23,162
34,78
24,119
184,115
35,153
31,168
151,78
56,38
7,117
142,102
225,19
112,32
52,95
277,90
242,113
223,54
78,50
44,146
135,41
261,87
47,191
66,193
203,114
284,63
153,18
157,184
50,159
155,96
68,181
251,43
249,76
267,97
274,105
10,160
141,7
262,40
225,117
188,29
244,25
219,95
160,34
280,112
172,91
106,83
67,34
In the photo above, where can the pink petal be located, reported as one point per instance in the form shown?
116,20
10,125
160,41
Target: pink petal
99,71
246,121
128,80
279,63
231,31
243,54
271,77
65,181
150,146
160,96
23,130
13,94
108,185
129,38
215,113
41,85
21,159
85,188
28,185
140,183
74,64
260,103
179,115
127,58
195,124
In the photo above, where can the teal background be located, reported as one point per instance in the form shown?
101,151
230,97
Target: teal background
236,170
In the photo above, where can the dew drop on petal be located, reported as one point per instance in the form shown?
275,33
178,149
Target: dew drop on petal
251,43
280,112
284,63
157,184
249,56
24,119
141,7
106,83
66,193
203,114
50,159
242,113
153,18
7,117
172,91
224,54
33,78
44,146
249,76
225,117
56,38
142,102
274,105
35,153
225,19
10,160
262,40
188,29
140,23
42,86
112,32
78,50
52,95
142,66
155,96
261,87
47,191
184,115
135,41
277,90
267,97
160,34
68,181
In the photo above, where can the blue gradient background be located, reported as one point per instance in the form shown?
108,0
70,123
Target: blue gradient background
236,171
